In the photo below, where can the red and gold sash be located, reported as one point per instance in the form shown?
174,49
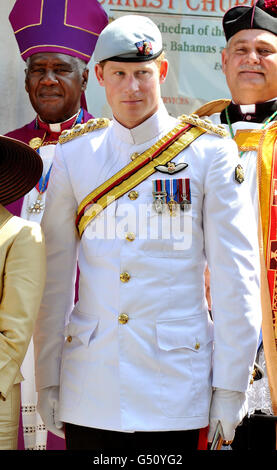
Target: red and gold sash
264,141
135,172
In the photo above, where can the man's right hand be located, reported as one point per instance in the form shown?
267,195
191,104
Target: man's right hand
48,408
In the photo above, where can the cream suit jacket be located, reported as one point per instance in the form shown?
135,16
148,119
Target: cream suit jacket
156,371
22,267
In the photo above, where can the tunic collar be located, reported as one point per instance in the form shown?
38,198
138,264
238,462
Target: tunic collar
147,130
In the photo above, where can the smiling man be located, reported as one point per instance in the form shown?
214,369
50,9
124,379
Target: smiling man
249,63
141,367
56,40
55,83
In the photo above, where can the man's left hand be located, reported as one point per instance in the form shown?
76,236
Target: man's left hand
228,407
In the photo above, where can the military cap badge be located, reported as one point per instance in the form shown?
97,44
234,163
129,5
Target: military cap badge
144,48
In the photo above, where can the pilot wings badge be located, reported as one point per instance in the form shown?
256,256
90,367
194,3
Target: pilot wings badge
171,167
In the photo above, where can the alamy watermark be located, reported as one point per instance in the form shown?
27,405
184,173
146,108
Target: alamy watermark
173,225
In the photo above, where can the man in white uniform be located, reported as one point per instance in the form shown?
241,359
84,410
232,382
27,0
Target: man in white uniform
137,362
249,62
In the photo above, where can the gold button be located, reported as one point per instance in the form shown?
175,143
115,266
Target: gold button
125,277
69,339
130,236
123,318
197,346
133,195
134,155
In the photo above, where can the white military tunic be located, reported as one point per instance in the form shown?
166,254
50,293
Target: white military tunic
153,372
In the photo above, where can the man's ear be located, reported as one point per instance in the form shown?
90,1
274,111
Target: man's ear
26,81
163,70
99,72
85,76
223,59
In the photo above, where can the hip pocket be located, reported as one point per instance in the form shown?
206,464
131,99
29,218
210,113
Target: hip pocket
185,352
79,333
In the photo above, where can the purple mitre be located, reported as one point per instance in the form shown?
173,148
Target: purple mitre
68,27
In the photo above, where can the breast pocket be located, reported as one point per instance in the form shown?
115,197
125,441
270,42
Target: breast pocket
185,352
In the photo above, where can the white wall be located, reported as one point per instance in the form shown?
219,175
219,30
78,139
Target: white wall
15,108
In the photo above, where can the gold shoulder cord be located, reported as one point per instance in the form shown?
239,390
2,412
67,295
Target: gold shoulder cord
206,124
81,129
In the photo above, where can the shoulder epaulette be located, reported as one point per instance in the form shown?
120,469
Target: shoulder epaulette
211,107
81,129
207,124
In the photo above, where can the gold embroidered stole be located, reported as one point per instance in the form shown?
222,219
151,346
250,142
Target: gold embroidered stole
264,141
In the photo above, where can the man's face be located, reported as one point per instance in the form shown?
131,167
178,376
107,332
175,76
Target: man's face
250,65
55,84
132,89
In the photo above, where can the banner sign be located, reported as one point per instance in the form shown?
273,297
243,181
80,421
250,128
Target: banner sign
193,40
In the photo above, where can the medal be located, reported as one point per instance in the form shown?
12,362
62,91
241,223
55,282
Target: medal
185,204
172,206
171,189
159,204
41,187
37,206
159,195
184,192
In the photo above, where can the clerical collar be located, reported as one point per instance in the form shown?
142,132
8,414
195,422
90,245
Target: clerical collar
59,126
258,112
